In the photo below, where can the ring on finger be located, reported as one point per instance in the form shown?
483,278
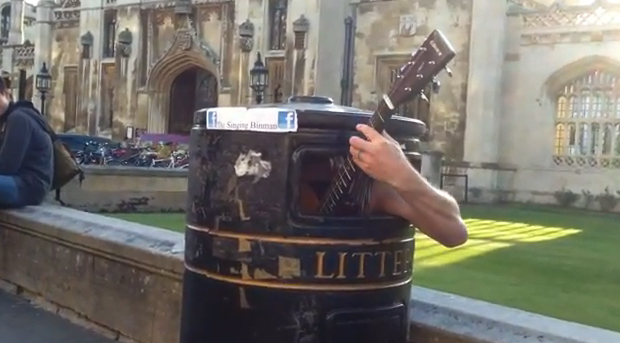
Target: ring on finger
359,154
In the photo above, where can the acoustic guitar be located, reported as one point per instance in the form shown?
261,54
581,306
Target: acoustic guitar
351,188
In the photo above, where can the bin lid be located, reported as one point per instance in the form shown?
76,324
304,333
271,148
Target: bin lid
320,112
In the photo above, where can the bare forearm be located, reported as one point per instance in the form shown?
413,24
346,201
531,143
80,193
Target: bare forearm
432,211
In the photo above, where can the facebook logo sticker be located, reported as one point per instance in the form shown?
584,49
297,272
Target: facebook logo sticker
287,120
211,119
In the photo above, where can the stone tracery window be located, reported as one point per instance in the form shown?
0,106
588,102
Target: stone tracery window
587,128
277,24
5,24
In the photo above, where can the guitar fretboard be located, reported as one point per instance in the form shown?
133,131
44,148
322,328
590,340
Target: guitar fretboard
347,172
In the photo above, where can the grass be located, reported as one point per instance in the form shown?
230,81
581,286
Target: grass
559,263
170,221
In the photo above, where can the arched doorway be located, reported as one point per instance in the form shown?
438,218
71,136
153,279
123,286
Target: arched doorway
192,90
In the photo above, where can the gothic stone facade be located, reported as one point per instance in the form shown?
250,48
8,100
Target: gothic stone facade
558,124
137,64
532,107
534,104
17,41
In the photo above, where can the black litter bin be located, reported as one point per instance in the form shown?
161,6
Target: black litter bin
261,266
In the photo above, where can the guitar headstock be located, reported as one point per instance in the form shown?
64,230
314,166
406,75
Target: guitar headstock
425,63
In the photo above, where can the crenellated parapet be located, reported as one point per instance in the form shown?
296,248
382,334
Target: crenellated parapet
23,55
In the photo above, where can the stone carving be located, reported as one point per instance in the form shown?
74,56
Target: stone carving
300,30
125,38
184,40
207,11
246,36
524,6
570,37
408,25
586,161
70,4
66,18
185,46
67,15
162,14
301,25
183,7
598,13
23,55
86,40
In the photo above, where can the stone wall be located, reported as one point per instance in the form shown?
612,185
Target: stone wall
131,189
538,63
124,280
127,189
133,88
383,42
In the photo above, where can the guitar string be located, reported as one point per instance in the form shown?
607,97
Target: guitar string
332,196
348,167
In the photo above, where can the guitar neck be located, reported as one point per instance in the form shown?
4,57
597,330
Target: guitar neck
346,174
381,116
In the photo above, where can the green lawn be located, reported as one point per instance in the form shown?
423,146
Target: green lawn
558,263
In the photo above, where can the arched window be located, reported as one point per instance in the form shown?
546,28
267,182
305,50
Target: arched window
587,121
277,24
5,24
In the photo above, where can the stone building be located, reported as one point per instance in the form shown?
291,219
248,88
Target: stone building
17,40
150,64
533,105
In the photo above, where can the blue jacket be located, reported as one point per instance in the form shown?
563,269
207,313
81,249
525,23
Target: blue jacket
27,153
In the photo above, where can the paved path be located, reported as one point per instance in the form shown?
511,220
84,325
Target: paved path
20,322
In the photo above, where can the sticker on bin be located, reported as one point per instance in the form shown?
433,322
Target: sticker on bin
266,119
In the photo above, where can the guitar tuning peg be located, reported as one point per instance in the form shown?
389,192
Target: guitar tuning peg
448,71
424,98
436,86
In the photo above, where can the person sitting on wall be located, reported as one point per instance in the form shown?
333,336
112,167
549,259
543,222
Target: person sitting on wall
401,191
26,153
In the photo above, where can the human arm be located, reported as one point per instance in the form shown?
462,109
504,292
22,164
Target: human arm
16,141
400,190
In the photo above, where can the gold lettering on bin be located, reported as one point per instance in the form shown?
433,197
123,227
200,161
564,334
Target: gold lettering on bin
382,255
320,266
362,264
398,262
342,259
361,271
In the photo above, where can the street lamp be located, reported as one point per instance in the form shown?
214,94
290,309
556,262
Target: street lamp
43,84
259,76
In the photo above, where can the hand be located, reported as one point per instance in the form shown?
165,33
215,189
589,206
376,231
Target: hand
380,156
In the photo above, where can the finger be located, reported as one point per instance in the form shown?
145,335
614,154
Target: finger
388,137
358,155
360,143
353,151
370,133
361,163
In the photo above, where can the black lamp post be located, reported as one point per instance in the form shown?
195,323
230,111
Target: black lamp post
43,84
259,78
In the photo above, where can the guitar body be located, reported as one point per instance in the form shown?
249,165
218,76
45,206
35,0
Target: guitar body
350,187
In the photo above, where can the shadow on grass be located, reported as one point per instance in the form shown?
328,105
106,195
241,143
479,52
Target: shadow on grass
557,263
